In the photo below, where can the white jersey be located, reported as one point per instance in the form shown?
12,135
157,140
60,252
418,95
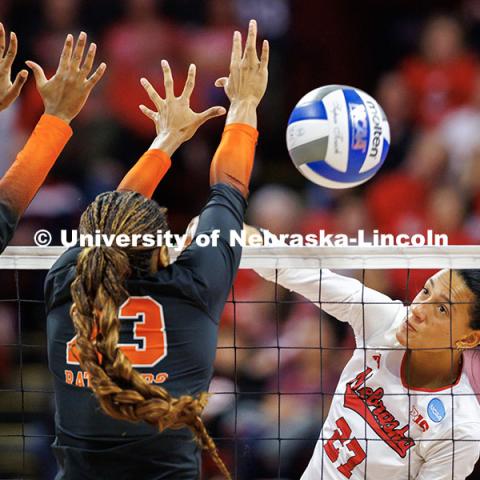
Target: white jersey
378,427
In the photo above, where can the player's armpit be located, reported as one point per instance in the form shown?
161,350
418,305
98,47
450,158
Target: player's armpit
147,173
26,175
233,160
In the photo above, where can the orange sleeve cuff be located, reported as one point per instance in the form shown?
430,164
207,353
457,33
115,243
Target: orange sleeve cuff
233,160
242,128
147,173
26,175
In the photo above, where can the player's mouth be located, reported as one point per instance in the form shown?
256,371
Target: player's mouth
410,326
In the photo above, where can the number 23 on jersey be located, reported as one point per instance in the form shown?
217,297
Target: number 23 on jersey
149,339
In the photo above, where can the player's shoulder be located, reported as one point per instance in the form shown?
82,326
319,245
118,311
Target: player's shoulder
65,260
59,278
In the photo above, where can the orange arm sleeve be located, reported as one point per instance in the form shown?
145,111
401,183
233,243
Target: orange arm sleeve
147,173
233,160
23,179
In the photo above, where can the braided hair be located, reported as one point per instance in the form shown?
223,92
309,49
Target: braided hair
97,292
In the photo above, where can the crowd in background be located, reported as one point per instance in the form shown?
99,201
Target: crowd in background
276,383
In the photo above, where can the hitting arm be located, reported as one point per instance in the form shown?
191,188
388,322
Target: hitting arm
344,298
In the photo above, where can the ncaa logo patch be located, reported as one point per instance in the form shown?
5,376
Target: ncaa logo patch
436,410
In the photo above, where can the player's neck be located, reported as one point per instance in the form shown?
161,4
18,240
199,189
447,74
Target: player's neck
432,369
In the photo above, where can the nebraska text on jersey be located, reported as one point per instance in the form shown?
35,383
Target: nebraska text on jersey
369,405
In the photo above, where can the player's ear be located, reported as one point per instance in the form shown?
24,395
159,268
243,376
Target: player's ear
163,257
471,340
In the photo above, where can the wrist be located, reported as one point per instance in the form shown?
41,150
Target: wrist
244,102
243,111
61,116
166,142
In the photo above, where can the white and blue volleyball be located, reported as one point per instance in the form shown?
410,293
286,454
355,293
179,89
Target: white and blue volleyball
338,136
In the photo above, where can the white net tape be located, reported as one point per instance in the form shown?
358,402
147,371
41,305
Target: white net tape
42,258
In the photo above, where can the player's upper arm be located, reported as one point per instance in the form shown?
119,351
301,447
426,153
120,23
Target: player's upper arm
344,298
214,267
452,459
8,224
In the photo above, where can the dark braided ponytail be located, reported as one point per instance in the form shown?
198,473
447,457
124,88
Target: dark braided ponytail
97,292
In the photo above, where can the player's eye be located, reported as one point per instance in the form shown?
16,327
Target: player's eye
442,309
425,290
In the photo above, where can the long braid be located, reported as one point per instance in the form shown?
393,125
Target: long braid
97,292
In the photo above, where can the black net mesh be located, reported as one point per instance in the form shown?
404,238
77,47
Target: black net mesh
279,360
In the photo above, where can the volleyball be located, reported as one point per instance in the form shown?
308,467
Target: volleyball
338,136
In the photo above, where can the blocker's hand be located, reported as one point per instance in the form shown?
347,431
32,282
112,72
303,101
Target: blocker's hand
65,94
174,120
248,75
9,91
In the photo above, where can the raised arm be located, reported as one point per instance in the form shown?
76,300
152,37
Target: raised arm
175,123
63,96
345,298
245,87
213,267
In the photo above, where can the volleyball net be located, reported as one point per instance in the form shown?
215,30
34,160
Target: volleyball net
279,356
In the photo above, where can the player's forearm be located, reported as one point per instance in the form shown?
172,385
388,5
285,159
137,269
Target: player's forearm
26,175
147,173
233,161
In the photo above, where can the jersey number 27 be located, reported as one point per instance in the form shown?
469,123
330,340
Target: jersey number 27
148,328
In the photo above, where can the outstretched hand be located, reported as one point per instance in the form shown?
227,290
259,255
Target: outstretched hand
174,120
248,75
9,91
65,94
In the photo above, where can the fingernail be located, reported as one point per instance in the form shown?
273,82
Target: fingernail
164,63
143,81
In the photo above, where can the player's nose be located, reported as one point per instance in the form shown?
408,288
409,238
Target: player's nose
419,312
